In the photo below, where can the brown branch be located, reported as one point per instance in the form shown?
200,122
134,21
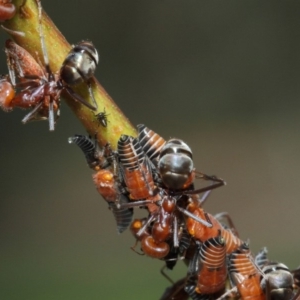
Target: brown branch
26,20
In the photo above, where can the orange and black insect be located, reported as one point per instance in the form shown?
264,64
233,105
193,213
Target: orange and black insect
136,227
38,87
178,251
245,275
167,236
154,231
163,230
7,93
7,10
168,211
208,268
104,162
151,142
174,162
142,231
203,233
135,168
106,179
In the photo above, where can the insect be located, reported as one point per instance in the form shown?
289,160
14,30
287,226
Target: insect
135,227
136,169
102,118
106,179
174,175
277,281
175,165
88,147
38,87
261,258
7,10
296,274
123,216
178,251
176,169
174,162
150,142
166,235
244,274
7,93
164,225
78,67
108,188
208,268
202,233
176,291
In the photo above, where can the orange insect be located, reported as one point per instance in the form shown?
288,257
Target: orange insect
203,233
174,163
136,169
137,173
7,10
106,179
245,275
7,93
151,142
208,267
167,236
165,224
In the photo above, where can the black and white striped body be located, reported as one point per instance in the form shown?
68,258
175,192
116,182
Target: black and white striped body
135,168
151,142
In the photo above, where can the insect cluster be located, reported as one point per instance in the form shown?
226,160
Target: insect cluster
147,172
158,176
30,85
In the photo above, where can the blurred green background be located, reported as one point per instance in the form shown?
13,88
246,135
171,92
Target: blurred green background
222,75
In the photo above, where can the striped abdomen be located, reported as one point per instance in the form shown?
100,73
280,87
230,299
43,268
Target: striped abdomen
244,274
151,142
123,216
184,241
136,171
232,242
212,266
203,233
261,257
88,148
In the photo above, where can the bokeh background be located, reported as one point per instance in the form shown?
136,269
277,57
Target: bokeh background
222,75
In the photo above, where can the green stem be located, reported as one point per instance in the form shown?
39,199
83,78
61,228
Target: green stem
26,20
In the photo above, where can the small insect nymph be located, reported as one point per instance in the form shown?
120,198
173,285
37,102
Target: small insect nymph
102,118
